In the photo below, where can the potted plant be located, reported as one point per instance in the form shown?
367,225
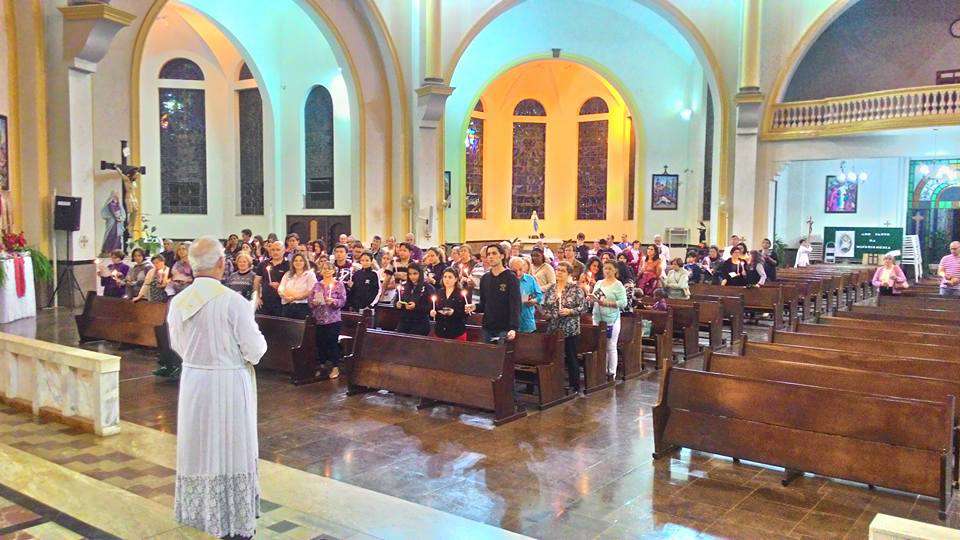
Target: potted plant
15,245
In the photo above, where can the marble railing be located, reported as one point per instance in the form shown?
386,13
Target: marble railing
64,384
884,527
887,109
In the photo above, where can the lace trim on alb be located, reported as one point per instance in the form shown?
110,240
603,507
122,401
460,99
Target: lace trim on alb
222,504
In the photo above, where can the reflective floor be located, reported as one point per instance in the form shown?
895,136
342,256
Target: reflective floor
579,470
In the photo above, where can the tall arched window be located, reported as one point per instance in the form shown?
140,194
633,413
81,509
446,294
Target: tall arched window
632,173
529,159
474,170
183,141
318,148
245,73
250,110
592,160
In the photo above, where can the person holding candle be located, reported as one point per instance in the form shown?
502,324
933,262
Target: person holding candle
450,312
530,293
181,275
414,301
326,300
156,281
114,284
295,287
541,269
500,298
562,305
609,297
270,272
433,266
365,292
137,273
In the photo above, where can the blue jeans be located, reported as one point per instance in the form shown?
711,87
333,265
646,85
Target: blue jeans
489,336
950,292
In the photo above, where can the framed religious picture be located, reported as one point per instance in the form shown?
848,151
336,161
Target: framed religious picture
664,192
840,196
4,155
447,185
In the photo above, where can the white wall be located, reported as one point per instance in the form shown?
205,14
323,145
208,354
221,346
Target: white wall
881,199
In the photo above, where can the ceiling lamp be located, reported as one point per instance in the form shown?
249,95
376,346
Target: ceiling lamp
852,175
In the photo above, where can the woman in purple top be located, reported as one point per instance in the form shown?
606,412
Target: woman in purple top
114,284
328,298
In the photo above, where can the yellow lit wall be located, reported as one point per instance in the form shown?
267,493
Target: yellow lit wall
561,87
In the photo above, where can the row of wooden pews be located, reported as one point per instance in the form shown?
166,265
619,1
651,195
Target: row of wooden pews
867,395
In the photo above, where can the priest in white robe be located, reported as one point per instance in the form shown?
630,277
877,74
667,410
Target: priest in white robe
213,330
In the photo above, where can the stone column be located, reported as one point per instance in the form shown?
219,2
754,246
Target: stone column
428,162
88,31
749,100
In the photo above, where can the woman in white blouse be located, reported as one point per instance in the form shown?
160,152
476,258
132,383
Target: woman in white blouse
295,288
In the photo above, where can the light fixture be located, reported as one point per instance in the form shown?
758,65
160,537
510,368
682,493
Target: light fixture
852,175
686,114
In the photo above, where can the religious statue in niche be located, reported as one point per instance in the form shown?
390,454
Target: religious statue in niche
115,218
840,196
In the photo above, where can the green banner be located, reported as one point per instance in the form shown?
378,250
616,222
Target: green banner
853,242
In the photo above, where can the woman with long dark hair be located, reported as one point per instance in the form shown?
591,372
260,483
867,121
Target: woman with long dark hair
414,299
450,311
650,271
296,287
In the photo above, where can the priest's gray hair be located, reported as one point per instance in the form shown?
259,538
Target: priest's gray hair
205,252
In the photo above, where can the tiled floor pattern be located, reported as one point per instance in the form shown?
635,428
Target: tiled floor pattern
579,470
23,518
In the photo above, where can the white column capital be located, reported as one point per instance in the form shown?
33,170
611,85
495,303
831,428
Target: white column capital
88,31
431,99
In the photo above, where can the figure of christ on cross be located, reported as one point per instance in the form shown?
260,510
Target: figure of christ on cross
129,174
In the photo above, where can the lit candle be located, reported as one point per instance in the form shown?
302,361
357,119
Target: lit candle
559,299
434,299
269,274
464,293
400,293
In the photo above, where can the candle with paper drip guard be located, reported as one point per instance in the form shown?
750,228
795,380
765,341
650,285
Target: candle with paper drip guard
269,274
433,299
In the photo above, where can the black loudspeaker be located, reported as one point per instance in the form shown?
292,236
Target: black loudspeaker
66,214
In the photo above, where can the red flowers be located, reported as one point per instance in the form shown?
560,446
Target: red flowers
14,242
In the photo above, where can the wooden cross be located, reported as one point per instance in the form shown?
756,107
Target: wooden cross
917,218
128,196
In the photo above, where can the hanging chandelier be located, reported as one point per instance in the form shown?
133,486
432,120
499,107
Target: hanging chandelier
944,172
851,175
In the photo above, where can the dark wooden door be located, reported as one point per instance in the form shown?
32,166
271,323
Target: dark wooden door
325,228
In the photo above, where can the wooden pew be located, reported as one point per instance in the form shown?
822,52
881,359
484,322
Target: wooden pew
592,349
464,373
348,329
710,315
684,327
538,361
291,348
661,336
880,334
763,299
386,318
630,346
122,321
893,325
907,314
896,443
922,302
732,304
809,292
869,346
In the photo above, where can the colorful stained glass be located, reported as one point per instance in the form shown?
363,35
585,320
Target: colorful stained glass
708,159
594,105
245,74
529,161
529,107
474,150
251,152
592,170
182,69
183,151
318,148
931,181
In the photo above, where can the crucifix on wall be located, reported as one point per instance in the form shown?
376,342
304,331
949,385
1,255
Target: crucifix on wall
917,218
129,174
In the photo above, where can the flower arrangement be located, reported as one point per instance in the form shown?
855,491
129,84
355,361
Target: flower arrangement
14,245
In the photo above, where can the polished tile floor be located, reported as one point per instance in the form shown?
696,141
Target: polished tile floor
579,470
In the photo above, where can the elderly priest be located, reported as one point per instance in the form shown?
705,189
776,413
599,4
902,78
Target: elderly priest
213,329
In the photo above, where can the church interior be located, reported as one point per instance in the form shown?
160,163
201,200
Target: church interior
822,136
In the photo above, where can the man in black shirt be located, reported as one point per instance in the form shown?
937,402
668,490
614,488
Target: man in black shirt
270,272
583,250
499,298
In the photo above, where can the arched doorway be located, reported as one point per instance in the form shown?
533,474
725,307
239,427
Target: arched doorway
663,72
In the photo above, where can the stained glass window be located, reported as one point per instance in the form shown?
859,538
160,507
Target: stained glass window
183,151
529,159
474,144
632,173
529,107
251,152
245,73
592,170
318,148
479,106
182,69
594,105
